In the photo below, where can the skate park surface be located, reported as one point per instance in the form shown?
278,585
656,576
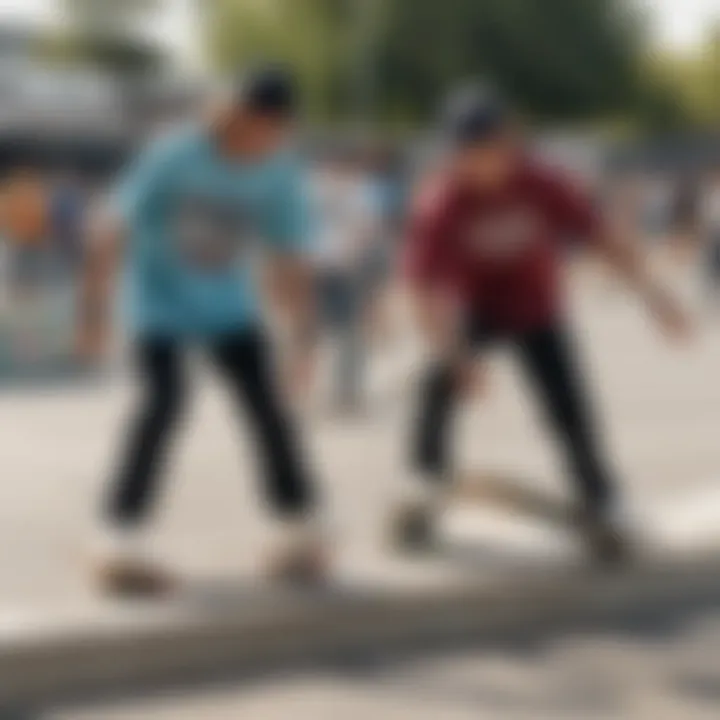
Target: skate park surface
496,572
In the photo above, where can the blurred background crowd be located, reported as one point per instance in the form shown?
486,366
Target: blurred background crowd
626,94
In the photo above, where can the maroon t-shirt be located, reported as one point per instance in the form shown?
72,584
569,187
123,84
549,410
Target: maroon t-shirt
499,252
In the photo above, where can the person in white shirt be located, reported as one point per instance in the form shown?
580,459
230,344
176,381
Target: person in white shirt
347,218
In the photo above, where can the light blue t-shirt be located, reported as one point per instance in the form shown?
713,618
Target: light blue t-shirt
195,220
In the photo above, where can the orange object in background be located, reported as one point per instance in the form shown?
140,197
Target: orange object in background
25,209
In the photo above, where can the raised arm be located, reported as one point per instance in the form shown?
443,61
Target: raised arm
617,245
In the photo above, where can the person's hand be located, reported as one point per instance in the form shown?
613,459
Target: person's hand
301,376
672,318
90,344
470,377
299,366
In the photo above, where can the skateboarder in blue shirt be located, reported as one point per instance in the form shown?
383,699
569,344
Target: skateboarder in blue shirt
188,219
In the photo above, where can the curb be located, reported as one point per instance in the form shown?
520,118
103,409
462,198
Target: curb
56,658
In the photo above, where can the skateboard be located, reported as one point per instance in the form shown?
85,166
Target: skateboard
413,530
513,495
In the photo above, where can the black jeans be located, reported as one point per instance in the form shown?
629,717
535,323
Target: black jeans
244,360
549,361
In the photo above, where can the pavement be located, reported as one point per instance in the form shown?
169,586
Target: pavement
661,406
662,667
659,403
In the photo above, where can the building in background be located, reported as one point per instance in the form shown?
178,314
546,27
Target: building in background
59,115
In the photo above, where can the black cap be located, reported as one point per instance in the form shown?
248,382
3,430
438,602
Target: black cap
472,114
269,90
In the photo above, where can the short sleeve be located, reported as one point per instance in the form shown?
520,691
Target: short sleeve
143,182
287,216
574,213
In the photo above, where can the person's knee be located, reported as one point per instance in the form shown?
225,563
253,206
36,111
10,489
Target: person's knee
165,403
438,384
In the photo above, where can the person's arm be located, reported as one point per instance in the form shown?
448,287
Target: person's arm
617,246
435,311
436,319
622,253
106,239
287,228
107,233
425,269
289,286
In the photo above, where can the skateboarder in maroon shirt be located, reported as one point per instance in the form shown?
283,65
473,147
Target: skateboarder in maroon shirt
485,252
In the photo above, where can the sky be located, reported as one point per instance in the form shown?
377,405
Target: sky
681,23
677,23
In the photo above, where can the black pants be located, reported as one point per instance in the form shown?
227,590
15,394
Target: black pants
244,361
549,362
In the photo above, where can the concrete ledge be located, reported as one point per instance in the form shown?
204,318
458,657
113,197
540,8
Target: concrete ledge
44,658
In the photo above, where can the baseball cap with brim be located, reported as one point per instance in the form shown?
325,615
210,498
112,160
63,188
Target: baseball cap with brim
267,89
473,114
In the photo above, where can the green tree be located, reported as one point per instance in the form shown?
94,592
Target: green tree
558,58
307,34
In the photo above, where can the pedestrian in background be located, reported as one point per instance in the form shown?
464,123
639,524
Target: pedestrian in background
25,222
347,224
67,223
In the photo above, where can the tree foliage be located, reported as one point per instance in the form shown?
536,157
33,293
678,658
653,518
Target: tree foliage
558,59
306,34
693,79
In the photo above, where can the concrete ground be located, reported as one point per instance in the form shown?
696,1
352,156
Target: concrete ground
660,404
648,668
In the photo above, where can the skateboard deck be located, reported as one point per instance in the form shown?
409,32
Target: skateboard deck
512,495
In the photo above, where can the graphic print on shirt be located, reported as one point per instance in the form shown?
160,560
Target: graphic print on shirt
504,234
212,234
